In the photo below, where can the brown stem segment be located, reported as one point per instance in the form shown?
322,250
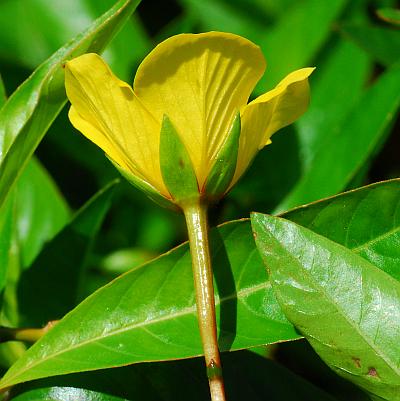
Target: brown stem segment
196,221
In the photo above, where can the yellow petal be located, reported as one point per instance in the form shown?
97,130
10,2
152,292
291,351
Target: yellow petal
200,81
107,112
270,112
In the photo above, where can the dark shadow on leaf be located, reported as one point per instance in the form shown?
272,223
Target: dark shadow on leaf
226,288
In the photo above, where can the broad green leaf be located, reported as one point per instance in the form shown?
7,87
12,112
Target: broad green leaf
382,43
348,309
391,15
338,84
342,155
245,374
346,219
57,272
28,113
254,324
149,314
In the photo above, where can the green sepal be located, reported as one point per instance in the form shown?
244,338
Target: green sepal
176,167
224,167
145,187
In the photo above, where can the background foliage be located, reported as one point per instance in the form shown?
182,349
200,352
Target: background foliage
57,246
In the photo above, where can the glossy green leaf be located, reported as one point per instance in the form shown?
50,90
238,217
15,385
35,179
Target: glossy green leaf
55,276
381,43
149,314
342,155
247,377
346,219
28,113
176,166
319,282
391,15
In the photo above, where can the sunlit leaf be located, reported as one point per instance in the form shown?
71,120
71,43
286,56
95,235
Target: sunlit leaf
154,306
317,282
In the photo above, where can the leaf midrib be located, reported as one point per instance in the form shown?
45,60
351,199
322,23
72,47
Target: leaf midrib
185,311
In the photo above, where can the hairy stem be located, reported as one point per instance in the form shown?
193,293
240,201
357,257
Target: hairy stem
196,221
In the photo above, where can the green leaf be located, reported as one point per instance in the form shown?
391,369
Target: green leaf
294,40
348,309
57,272
336,87
224,167
149,314
33,214
40,211
244,375
29,112
346,219
381,43
176,166
51,24
342,155
391,15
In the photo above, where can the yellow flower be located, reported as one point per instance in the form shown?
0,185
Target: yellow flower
201,82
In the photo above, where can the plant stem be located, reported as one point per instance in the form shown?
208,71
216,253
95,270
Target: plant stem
196,221
29,335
